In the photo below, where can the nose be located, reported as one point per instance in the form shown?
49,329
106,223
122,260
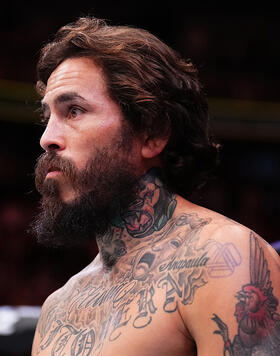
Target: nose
53,138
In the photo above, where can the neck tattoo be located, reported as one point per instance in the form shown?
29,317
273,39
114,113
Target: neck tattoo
149,212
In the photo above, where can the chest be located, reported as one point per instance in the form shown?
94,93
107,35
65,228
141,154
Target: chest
130,318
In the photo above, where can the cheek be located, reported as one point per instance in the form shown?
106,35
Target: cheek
87,145
99,135
81,152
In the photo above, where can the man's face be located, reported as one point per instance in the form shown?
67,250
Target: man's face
91,158
81,118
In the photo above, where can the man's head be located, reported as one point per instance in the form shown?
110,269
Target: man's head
91,157
117,101
158,93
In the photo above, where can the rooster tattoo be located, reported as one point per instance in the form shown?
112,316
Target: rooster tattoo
255,312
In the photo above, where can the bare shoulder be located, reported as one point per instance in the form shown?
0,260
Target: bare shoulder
222,229
237,307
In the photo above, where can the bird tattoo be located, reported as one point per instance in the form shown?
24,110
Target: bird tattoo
255,312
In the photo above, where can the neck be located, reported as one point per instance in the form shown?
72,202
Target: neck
151,210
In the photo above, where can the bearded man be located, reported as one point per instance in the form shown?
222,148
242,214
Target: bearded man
126,142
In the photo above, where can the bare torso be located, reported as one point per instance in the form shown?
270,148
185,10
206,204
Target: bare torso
156,298
131,311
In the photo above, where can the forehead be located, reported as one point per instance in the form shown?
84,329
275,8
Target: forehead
80,75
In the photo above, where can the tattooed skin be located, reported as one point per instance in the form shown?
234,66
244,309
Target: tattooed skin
255,312
153,208
173,262
148,213
152,262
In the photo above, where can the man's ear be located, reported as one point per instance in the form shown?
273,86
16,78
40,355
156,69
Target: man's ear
153,146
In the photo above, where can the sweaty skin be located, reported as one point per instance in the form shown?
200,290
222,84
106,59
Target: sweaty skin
170,275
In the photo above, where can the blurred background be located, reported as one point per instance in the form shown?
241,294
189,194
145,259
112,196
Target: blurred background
237,52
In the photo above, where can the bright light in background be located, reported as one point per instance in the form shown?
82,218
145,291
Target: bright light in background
17,319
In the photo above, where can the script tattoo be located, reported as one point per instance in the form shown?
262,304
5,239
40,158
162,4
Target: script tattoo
173,263
258,321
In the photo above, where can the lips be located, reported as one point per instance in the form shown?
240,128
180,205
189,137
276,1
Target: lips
53,169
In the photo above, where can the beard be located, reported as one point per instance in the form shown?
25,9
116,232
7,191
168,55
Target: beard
105,187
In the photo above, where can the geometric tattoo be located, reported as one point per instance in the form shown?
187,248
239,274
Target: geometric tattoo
255,312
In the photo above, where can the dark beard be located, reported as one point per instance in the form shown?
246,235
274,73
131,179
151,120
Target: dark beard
110,187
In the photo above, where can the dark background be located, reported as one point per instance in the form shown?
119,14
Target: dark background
237,52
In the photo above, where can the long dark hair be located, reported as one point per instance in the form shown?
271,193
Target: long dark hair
158,91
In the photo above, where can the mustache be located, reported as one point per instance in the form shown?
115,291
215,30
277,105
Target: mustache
50,161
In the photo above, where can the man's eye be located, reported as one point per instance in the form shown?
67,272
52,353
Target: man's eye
74,111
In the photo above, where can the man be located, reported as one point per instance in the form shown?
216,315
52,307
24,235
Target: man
126,141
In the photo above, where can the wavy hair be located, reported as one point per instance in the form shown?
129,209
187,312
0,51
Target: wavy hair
158,91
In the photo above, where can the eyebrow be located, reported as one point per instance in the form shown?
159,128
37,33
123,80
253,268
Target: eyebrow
63,98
